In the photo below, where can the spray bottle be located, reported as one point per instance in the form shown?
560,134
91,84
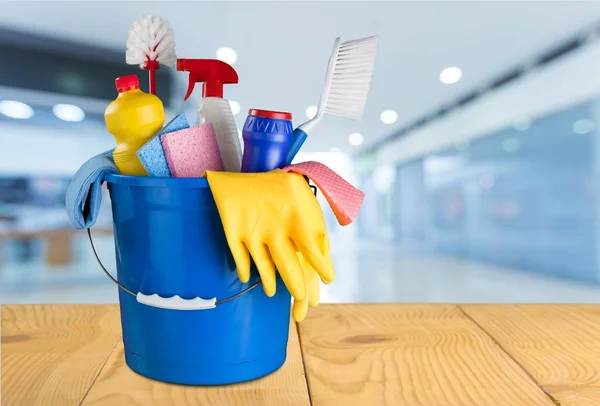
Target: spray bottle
213,107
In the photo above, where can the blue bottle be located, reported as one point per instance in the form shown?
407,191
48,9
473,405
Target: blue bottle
267,140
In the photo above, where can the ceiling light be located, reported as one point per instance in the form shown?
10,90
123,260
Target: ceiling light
511,145
311,112
227,55
584,126
450,75
15,109
355,139
68,112
235,107
389,117
522,123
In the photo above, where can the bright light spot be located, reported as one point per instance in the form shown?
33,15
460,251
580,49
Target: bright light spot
487,181
311,112
462,146
584,126
355,139
389,117
522,123
235,107
511,145
335,150
15,109
68,112
227,55
450,75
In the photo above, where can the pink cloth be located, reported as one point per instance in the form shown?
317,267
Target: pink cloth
343,198
192,151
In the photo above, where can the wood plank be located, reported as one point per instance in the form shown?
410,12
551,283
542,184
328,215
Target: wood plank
393,354
559,345
120,386
51,354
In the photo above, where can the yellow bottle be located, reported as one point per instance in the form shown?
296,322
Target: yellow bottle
132,118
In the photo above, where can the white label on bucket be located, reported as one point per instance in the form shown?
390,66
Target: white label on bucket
176,302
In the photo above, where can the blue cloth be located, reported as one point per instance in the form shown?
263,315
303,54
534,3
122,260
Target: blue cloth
84,194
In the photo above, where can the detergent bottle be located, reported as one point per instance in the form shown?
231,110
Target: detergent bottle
132,118
214,109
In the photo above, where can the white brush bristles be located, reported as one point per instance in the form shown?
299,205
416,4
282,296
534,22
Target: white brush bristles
351,78
150,38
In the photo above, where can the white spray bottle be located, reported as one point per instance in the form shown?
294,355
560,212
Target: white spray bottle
214,109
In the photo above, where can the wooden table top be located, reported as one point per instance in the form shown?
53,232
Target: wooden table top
354,354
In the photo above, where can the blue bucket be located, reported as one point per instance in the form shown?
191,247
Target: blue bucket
170,241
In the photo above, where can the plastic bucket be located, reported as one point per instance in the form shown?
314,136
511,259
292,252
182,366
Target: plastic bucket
169,241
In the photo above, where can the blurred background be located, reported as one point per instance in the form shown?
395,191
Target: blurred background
479,150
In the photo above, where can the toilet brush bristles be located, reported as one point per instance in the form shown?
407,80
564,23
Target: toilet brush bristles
150,43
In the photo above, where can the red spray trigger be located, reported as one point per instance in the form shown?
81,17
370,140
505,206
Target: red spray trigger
213,73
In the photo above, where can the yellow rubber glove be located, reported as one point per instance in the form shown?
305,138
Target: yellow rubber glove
313,291
270,217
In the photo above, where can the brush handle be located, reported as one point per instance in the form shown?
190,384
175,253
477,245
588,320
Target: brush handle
152,81
299,136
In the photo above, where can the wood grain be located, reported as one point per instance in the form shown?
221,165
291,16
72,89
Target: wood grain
120,386
559,345
51,354
391,354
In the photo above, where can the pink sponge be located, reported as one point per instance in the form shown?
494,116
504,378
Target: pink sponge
192,151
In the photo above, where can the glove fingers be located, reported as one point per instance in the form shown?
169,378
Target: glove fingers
326,249
311,279
287,264
312,251
299,309
242,260
264,263
237,247
231,220
313,288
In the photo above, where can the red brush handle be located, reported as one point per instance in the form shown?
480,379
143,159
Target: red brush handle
151,66
152,81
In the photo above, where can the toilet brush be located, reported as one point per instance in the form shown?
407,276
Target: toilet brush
150,43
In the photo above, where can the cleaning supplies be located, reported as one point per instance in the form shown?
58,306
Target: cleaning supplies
267,138
132,118
150,43
346,86
84,194
192,151
270,216
343,198
152,154
213,108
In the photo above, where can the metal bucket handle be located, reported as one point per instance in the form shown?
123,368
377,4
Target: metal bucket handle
176,302
172,303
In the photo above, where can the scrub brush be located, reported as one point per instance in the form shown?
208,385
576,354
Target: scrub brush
150,43
346,85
